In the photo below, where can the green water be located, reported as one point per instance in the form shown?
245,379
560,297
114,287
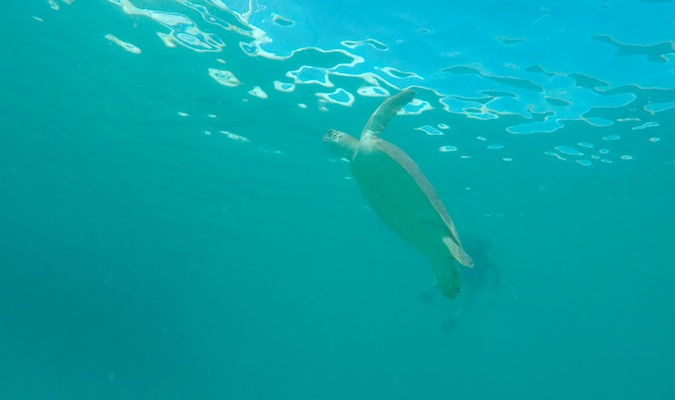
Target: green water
141,258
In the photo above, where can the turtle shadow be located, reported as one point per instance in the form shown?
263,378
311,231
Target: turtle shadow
484,276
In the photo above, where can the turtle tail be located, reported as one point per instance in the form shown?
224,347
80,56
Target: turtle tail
447,276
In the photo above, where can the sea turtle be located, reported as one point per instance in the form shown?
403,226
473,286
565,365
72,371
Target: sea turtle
400,194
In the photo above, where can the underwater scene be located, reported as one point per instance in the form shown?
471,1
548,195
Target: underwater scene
302,199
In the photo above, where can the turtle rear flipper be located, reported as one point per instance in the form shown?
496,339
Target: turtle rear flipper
385,112
447,276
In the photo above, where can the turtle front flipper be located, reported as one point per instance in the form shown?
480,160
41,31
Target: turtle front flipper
458,252
447,276
385,112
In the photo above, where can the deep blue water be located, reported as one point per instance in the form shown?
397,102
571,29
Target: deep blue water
144,254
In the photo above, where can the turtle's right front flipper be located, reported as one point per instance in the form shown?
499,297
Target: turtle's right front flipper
385,112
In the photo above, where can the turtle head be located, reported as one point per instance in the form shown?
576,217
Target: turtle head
340,143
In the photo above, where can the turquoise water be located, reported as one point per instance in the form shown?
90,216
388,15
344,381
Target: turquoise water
145,254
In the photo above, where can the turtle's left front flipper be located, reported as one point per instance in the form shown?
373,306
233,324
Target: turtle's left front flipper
458,252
